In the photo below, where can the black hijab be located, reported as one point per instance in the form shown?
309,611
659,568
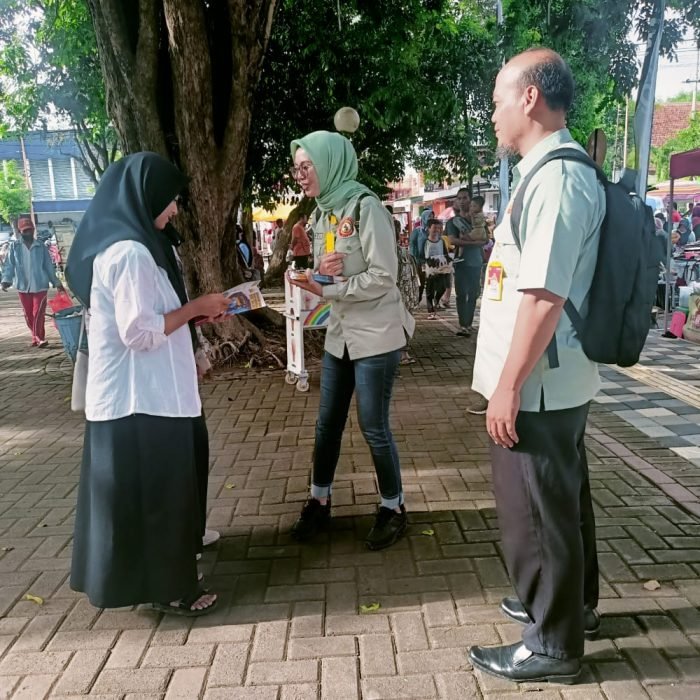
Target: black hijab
132,193
169,238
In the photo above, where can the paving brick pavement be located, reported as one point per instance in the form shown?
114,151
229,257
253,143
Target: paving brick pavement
289,625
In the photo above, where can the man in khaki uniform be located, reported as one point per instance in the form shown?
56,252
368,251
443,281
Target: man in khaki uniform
537,413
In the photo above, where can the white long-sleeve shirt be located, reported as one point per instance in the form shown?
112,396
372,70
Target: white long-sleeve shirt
134,366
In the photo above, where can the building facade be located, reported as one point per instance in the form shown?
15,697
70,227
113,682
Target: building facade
411,195
60,187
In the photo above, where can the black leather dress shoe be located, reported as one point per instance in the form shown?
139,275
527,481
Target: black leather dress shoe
514,609
517,663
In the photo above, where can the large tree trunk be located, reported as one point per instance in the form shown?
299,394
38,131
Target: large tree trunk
180,77
278,260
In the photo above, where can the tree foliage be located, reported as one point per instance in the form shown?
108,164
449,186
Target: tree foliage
50,72
380,61
457,143
684,96
14,194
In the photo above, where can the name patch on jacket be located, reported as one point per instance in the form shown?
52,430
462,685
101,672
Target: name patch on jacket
346,227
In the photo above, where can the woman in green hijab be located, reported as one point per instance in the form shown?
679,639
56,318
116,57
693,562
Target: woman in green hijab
353,241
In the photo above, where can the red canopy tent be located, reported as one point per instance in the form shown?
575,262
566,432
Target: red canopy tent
685,164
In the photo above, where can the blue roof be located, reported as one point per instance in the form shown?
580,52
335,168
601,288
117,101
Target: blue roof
40,145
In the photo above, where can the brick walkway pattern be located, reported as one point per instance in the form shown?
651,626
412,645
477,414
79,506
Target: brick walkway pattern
330,619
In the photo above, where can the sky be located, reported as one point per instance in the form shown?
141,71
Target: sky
671,76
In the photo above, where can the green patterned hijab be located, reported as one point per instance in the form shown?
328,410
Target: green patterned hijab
335,163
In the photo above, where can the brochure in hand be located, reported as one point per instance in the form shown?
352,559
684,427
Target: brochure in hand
244,297
300,276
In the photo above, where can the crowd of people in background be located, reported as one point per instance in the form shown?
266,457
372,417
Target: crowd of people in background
684,228
459,260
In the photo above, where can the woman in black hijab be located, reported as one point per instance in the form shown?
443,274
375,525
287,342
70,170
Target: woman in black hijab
138,525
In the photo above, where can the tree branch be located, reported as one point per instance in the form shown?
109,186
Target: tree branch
85,159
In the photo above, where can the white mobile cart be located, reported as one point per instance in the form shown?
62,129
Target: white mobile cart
303,311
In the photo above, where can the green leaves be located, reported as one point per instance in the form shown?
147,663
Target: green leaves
49,71
464,60
14,195
383,63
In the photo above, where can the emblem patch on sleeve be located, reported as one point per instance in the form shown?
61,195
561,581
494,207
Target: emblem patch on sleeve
346,227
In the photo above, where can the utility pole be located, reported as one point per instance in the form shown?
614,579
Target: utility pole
695,82
616,151
503,185
626,141
28,179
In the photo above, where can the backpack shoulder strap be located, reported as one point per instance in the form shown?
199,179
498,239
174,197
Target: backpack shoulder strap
357,208
516,214
516,211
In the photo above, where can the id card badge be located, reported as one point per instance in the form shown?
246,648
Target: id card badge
493,288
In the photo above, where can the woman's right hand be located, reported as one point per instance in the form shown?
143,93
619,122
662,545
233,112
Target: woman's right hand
210,305
331,264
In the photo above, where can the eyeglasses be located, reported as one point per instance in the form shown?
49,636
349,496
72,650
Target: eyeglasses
304,169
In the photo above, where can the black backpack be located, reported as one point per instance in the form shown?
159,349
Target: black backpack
625,281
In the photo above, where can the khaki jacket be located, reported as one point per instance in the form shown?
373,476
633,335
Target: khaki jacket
367,312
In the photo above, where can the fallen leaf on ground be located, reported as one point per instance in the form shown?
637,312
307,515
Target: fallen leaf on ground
429,533
7,549
33,598
372,607
652,585
230,486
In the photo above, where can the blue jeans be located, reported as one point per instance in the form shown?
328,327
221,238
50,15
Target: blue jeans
372,380
467,290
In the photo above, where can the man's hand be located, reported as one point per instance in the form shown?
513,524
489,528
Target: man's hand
500,416
309,284
331,264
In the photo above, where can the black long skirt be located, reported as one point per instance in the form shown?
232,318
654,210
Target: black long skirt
138,519
201,456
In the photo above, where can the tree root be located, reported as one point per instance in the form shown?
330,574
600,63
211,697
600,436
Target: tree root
259,344
277,359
